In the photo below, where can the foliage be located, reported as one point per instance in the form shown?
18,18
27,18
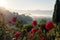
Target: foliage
29,32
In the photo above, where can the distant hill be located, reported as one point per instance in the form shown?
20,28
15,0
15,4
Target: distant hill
35,14
8,15
38,14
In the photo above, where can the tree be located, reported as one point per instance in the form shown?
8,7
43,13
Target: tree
56,14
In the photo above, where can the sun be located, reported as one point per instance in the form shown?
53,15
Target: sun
3,3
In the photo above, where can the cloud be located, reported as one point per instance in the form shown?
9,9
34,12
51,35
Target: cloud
40,15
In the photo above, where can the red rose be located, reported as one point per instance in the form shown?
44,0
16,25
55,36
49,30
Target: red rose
39,31
34,23
14,19
33,30
42,38
17,34
49,25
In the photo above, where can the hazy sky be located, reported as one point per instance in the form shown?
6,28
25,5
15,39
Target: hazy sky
30,4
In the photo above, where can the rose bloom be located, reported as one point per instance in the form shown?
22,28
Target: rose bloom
34,23
49,25
14,19
33,30
17,34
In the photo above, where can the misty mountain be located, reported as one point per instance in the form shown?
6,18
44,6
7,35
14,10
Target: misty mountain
35,14
38,14
7,15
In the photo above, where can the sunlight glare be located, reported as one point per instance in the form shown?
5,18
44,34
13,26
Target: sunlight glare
3,3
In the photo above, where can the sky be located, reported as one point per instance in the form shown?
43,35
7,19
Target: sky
28,4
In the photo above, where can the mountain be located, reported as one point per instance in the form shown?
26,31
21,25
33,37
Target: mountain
38,14
8,15
35,14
